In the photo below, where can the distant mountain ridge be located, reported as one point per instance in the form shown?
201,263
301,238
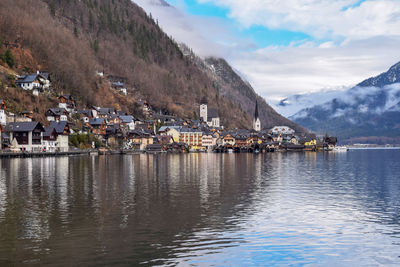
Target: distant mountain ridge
386,78
368,112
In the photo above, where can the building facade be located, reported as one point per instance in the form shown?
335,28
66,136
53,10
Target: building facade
26,136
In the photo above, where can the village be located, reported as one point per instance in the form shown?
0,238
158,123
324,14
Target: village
109,130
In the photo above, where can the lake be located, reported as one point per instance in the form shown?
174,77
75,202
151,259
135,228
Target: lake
300,208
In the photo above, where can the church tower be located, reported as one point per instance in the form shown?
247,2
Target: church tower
203,109
256,120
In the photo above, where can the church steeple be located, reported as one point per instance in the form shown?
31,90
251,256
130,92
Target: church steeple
256,111
256,120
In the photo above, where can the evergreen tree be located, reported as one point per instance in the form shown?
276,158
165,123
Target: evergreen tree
9,57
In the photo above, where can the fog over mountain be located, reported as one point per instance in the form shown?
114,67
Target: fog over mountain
293,104
368,112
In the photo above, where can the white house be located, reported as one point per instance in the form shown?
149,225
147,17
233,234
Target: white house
25,136
100,73
50,139
128,121
283,130
38,81
56,114
67,102
3,116
209,140
62,130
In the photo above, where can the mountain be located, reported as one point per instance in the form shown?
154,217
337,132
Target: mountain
368,112
73,39
236,89
390,77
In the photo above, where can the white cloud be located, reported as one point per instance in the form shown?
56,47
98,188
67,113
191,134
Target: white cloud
276,73
319,18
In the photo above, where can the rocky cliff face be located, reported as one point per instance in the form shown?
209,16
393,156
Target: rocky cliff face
368,112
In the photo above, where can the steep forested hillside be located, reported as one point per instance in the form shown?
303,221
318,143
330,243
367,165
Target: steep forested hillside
72,39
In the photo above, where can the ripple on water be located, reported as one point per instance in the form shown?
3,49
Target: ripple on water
202,209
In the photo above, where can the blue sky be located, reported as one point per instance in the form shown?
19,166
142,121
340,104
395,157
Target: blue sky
260,35
289,47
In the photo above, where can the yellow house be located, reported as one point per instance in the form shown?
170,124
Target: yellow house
140,140
312,142
228,140
174,133
171,131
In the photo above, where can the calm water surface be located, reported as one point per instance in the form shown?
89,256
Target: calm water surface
326,209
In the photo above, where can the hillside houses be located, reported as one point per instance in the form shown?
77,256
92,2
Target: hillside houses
57,114
118,129
35,82
67,102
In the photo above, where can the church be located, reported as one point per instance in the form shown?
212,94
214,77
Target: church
256,120
210,116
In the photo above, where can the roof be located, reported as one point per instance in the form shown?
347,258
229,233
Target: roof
112,128
139,132
122,113
118,84
27,78
86,112
48,131
189,130
45,75
212,113
126,119
112,116
256,111
96,121
58,126
105,111
23,126
57,111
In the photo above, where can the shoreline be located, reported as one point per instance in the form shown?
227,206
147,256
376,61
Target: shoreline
129,152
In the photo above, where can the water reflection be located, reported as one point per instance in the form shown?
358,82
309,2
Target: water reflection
207,209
